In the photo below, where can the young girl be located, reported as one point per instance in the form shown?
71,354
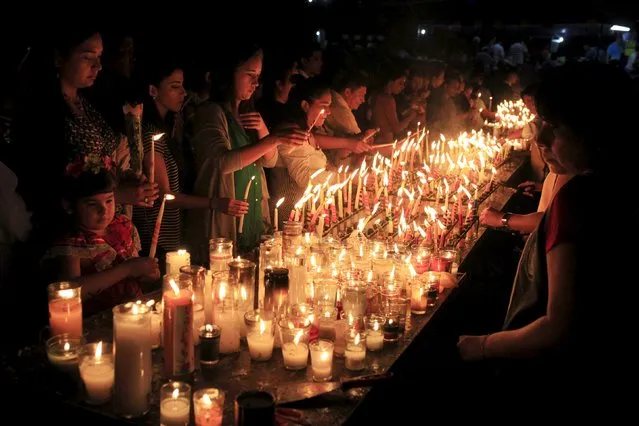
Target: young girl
100,249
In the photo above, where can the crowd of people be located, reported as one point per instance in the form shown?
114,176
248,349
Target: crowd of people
84,210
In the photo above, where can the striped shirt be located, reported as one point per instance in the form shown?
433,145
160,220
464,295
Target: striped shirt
144,218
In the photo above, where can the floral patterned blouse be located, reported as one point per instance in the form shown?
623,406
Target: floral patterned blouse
98,253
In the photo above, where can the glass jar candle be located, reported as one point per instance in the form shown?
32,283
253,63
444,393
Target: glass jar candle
443,261
294,338
65,308
270,257
220,254
321,360
175,260
354,299
175,404
295,262
63,351
177,322
208,407
431,281
209,345
355,352
291,234
260,340
97,372
326,291
375,332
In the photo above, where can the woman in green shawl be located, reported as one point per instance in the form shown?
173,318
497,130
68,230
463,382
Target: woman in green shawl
232,145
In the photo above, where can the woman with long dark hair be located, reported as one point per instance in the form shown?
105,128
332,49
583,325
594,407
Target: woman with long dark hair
232,145
171,160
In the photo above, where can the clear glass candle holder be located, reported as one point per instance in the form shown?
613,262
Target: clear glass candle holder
175,404
375,332
431,282
321,360
418,297
260,340
208,406
443,260
294,338
97,372
355,352
354,300
326,291
220,254
63,351
65,308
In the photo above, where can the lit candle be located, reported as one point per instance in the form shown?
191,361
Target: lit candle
246,194
220,254
178,325
176,259
355,353
158,225
260,342
97,372
208,407
295,353
321,360
209,345
226,319
65,308
175,404
154,139
275,214
132,359
374,334
63,351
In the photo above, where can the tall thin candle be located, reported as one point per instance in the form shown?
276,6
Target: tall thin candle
158,225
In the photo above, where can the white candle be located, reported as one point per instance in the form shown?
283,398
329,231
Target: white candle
176,409
198,322
156,329
97,373
374,340
158,225
246,194
260,342
133,369
355,354
176,259
154,139
295,355
275,214
322,359
230,331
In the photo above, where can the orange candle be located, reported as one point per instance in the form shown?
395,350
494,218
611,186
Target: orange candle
178,326
65,308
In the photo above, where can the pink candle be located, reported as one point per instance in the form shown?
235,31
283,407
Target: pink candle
178,326
65,309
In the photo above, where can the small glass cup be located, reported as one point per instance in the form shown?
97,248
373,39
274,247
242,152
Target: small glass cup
326,291
209,345
63,351
431,280
392,327
175,404
260,340
354,300
208,406
321,360
443,261
97,372
65,308
294,337
421,259
355,353
220,254
375,332
291,234
419,297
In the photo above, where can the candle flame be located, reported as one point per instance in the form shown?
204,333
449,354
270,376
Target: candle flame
222,291
181,252
206,400
376,325
98,351
67,347
175,394
357,338
208,327
279,202
262,327
297,337
324,356
66,294
150,303
158,137
169,197
174,287
243,294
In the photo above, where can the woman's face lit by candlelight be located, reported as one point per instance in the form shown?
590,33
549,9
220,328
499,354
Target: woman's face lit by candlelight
170,93
81,66
314,109
247,77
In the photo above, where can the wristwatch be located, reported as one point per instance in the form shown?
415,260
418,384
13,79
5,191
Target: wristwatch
504,220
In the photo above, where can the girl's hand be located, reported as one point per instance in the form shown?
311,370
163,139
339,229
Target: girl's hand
230,206
143,267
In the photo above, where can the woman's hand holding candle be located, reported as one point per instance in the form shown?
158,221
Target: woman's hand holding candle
229,206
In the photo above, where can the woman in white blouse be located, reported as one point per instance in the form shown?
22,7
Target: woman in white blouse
308,106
